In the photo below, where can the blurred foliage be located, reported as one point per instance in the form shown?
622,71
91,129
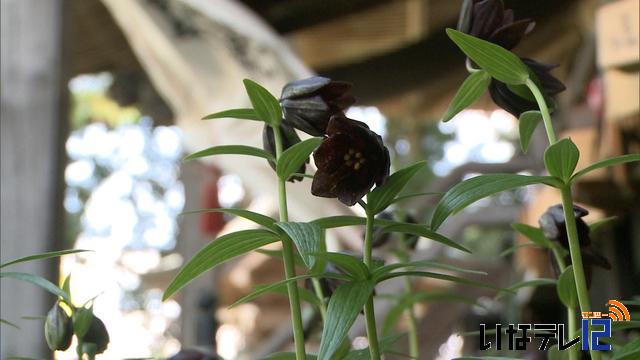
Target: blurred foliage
91,105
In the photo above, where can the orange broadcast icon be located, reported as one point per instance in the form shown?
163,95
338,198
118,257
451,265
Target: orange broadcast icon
617,311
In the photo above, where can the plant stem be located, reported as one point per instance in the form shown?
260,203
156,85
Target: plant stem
414,347
369,313
569,218
576,257
288,256
317,287
571,319
544,110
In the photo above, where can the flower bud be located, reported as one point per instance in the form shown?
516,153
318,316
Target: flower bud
58,328
308,104
98,335
289,138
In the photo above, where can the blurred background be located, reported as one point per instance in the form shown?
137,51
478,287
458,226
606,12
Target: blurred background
101,100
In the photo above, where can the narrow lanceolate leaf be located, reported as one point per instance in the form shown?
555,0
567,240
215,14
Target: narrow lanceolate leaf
244,114
597,225
529,283
309,239
561,159
499,62
42,256
422,230
566,288
438,276
7,322
411,196
66,285
291,159
347,263
471,89
382,196
217,252
349,220
527,124
469,191
422,264
532,233
280,286
259,219
344,306
231,150
265,105
606,163
410,300
39,281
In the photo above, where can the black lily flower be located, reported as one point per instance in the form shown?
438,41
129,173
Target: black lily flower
289,138
98,335
489,20
349,161
554,228
308,104
515,104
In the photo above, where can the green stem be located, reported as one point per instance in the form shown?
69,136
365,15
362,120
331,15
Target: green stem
414,346
571,319
369,313
317,287
570,220
576,257
544,110
289,266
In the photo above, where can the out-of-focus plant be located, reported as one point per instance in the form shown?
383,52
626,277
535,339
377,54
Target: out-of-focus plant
64,320
486,33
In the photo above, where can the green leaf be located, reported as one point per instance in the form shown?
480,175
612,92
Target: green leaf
291,159
217,252
349,220
422,230
386,347
532,233
529,283
39,281
469,191
244,114
383,196
471,89
344,306
566,288
349,264
561,159
265,105
486,358
309,239
281,287
629,351
422,264
66,285
231,150
43,256
438,276
277,254
527,124
410,196
82,319
7,322
500,63
606,163
423,296
597,225
515,248
259,219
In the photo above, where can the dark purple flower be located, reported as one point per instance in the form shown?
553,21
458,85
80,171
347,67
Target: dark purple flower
504,97
308,104
350,161
554,228
97,334
489,20
289,138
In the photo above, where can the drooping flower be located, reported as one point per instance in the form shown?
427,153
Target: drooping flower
514,103
97,334
553,226
58,328
489,20
350,161
308,104
289,138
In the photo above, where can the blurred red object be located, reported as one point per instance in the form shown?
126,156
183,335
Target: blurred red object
211,222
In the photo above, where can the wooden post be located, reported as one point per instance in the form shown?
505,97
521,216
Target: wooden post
32,138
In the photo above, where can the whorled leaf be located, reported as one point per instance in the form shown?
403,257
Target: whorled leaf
244,114
527,124
291,159
231,150
383,196
266,106
42,256
471,89
561,159
257,218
